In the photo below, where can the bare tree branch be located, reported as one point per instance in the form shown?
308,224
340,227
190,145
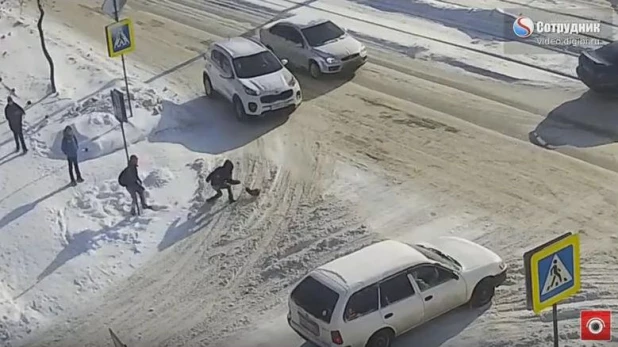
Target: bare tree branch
39,26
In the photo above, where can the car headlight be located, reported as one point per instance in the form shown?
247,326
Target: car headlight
502,266
292,81
250,91
331,60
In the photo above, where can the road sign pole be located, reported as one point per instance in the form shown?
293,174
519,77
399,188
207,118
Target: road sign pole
554,309
124,140
124,65
126,84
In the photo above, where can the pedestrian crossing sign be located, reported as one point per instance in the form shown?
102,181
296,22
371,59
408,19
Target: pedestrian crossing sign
554,272
120,38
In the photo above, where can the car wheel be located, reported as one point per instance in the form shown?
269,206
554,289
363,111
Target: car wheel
314,70
208,86
483,293
382,338
239,109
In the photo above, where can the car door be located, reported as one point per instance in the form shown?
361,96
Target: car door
400,306
441,289
292,46
227,85
213,67
276,39
361,316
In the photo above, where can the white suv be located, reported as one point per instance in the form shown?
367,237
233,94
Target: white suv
369,297
250,76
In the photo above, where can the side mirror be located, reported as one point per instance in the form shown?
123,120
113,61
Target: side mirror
284,61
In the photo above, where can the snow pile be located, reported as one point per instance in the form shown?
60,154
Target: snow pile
158,178
101,201
96,128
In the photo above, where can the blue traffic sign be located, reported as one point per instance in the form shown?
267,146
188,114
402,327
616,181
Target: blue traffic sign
553,272
120,38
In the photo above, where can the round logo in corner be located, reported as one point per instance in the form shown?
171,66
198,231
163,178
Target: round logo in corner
523,27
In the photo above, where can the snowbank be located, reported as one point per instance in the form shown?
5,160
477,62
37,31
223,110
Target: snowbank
97,130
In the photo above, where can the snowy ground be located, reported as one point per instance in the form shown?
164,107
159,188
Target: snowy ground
411,148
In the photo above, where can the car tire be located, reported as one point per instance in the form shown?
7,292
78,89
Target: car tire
314,70
483,293
208,86
382,338
239,109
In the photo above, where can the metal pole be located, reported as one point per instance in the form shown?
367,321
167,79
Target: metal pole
126,84
124,140
124,66
554,309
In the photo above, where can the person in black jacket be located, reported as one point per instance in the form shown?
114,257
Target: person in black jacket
14,115
221,178
129,178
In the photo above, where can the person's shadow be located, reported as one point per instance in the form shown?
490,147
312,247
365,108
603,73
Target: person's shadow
23,209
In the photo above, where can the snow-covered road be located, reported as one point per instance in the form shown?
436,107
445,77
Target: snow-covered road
429,138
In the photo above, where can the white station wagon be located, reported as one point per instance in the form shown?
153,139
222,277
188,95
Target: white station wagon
369,297
250,76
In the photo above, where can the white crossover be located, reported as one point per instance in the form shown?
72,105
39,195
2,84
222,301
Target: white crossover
318,45
371,296
250,76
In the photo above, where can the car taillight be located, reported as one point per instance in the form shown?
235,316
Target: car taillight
336,337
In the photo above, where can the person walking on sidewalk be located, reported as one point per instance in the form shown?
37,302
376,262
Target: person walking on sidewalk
129,178
70,148
14,115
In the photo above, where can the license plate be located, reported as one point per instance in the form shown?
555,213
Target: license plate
278,105
309,325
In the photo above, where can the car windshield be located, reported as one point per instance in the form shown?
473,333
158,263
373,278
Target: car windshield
321,34
438,256
255,65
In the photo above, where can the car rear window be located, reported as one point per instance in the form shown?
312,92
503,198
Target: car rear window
315,298
609,52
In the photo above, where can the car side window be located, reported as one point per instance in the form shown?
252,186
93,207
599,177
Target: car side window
395,289
216,56
361,303
429,276
290,34
277,30
295,36
226,65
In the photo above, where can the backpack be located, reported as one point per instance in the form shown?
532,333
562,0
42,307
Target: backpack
121,180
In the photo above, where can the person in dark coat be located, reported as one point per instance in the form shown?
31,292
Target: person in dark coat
129,178
70,148
14,115
221,178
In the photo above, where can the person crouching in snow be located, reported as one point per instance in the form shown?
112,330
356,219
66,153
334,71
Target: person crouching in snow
70,148
129,178
221,178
